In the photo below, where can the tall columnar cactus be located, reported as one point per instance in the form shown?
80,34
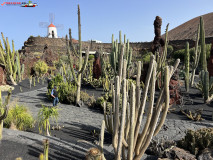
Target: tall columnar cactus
206,86
203,45
186,62
127,139
9,59
81,68
18,66
46,149
4,111
119,52
196,56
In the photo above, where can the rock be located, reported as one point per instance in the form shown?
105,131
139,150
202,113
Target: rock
179,154
80,104
97,66
207,154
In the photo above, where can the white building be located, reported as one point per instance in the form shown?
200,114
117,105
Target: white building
52,31
94,41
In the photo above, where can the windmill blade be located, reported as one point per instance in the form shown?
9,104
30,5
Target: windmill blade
51,17
59,26
43,24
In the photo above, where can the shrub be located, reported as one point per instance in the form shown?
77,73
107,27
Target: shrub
196,141
20,117
41,67
169,50
67,91
91,57
44,114
146,57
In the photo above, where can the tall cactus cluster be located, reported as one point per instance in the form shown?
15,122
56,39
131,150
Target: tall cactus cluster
11,61
196,56
118,54
186,62
4,111
128,142
70,48
205,84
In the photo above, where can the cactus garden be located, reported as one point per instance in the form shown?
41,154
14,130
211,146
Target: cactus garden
69,99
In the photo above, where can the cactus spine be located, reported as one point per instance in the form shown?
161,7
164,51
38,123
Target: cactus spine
81,67
186,59
203,45
196,56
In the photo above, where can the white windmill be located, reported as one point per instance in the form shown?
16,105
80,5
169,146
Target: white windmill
51,28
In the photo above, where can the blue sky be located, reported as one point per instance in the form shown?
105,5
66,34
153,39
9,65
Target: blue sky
99,18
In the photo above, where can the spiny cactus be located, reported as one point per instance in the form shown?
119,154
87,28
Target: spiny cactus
93,154
127,137
196,56
206,86
203,45
81,69
4,111
119,52
196,141
186,59
9,59
46,148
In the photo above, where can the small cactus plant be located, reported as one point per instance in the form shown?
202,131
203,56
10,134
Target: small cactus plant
93,154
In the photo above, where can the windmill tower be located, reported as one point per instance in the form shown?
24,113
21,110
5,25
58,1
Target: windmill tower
51,28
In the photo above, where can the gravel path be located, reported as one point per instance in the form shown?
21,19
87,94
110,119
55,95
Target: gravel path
80,119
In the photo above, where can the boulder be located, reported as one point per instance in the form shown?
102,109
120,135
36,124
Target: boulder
207,154
97,66
179,154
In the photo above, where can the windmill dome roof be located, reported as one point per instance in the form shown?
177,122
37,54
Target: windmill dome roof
51,25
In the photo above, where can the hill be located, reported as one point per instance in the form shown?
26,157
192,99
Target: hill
188,29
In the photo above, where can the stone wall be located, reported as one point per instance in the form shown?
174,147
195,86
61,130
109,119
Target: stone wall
58,45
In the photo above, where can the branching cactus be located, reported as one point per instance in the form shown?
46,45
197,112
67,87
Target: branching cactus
127,138
4,111
10,60
196,56
186,62
81,68
120,51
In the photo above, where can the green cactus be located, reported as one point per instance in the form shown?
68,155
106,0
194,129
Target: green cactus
9,59
82,67
203,45
197,141
118,53
206,86
22,71
4,111
186,59
196,56
46,148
